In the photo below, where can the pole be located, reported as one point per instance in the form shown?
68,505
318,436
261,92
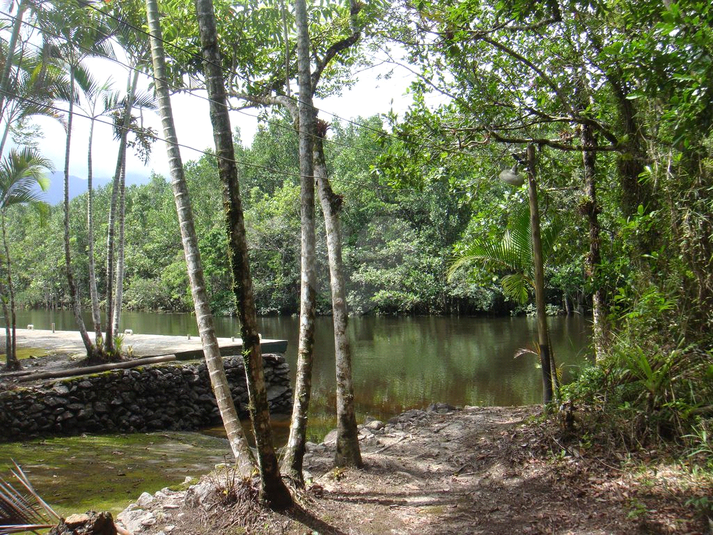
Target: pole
542,332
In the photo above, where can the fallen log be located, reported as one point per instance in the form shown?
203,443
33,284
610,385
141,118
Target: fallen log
72,372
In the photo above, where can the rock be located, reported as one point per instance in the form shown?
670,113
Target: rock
331,438
90,523
74,521
275,392
374,425
135,519
440,408
60,389
145,500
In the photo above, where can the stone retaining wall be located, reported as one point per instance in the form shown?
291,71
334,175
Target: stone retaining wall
175,396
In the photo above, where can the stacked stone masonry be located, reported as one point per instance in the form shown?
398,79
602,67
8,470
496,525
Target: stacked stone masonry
175,396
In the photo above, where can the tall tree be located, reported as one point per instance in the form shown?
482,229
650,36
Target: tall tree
294,454
5,75
204,318
94,91
75,35
127,16
274,491
21,173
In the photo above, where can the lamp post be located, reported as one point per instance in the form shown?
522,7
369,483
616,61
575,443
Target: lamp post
511,176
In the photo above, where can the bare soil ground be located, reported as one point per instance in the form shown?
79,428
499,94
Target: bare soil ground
494,470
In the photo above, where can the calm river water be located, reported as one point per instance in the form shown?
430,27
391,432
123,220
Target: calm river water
399,363
404,362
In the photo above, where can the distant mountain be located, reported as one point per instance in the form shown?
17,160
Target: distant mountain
77,186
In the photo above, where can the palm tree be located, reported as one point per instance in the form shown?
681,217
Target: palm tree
201,304
93,91
31,92
21,173
294,453
273,490
128,16
512,253
77,36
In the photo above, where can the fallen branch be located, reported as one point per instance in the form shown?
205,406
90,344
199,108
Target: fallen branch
100,368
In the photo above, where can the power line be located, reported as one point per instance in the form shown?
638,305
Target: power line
156,137
151,75
379,132
200,58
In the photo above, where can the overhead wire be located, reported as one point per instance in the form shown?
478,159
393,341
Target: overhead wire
379,132
205,152
296,100
189,92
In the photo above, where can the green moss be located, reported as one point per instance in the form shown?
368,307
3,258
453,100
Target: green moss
107,472
30,352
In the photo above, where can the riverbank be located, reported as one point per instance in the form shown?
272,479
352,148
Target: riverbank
494,470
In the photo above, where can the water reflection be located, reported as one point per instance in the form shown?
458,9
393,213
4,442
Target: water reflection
401,363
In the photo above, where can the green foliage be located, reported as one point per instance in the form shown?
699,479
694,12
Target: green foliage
513,253
643,393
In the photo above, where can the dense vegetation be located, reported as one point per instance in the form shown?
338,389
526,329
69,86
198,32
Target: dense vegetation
398,240
616,98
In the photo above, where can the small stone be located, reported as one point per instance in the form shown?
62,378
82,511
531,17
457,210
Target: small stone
331,438
374,425
145,500
76,520
60,389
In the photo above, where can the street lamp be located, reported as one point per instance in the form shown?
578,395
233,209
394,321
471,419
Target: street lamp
511,176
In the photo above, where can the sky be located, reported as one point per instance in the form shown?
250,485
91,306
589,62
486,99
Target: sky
369,96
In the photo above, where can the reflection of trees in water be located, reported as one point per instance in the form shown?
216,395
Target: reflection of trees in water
404,362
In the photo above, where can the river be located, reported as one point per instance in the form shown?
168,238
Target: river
399,363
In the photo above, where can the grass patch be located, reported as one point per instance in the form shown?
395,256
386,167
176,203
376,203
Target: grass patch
107,472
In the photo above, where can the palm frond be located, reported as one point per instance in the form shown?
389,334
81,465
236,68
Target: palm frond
142,99
517,287
512,252
23,511
21,172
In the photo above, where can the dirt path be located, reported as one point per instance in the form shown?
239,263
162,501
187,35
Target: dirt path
478,470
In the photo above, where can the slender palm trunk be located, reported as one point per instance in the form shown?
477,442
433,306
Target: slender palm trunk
348,452
73,291
96,314
12,363
11,46
120,158
294,454
119,294
543,336
273,490
5,133
206,328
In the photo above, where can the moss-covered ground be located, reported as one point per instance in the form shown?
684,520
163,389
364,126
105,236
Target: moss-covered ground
107,472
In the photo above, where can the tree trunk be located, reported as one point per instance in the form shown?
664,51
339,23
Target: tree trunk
96,314
211,350
119,284
120,158
594,258
73,292
294,454
11,360
348,452
543,337
12,44
273,490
